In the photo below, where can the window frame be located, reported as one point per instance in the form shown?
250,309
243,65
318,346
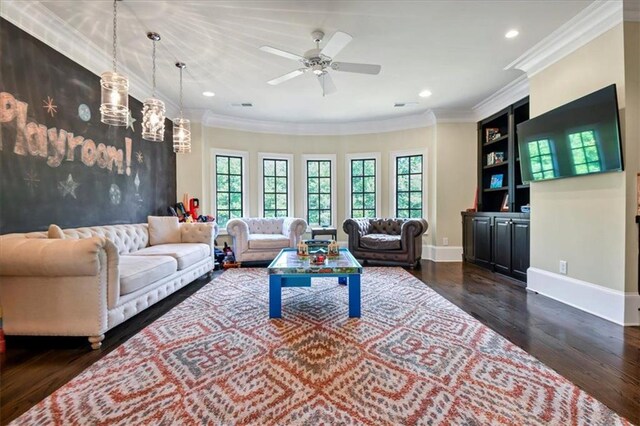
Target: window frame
579,131
334,192
393,155
244,155
290,173
349,181
552,154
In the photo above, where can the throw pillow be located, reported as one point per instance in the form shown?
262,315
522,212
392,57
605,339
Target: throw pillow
163,230
55,232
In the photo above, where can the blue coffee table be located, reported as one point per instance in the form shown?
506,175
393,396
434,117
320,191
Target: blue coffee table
289,270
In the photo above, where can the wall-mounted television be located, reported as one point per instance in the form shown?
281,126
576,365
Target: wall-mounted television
578,138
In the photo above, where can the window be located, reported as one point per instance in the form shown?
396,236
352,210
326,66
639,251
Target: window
276,185
584,152
541,159
229,198
320,193
408,186
362,190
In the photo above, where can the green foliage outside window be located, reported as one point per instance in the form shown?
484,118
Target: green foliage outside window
275,184
409,186
363,188
319,192
228,188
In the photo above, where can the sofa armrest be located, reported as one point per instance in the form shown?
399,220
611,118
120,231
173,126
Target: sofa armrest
356,228
294,228
41,257
202,232
239,231
411,235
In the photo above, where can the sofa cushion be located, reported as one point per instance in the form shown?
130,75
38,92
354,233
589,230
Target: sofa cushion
386,226
140,271
163,230
55,232
264,225
268,241
380,242
186,254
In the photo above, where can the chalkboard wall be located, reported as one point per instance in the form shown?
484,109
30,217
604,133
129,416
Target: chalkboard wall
59,163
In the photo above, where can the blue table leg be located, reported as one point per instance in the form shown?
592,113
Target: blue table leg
275,296
342,280
354,296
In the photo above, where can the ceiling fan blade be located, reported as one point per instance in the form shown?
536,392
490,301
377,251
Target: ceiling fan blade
326,82
282,53
287,76
337,42
359,68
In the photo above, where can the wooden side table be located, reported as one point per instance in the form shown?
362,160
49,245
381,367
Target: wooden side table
324,231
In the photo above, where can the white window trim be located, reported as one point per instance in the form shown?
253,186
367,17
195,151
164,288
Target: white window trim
290,173
334,191
392,179
348,181
245,178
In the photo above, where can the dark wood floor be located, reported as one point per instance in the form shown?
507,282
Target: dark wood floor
598,356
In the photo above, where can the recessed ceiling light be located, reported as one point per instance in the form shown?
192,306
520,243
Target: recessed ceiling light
511,34
208,94
425,94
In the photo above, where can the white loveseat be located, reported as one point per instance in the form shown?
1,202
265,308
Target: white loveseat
259,239
85,281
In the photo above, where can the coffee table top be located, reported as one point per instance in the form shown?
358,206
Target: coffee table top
288,262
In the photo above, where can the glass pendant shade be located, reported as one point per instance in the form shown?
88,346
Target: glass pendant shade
181,136
153,112
114,105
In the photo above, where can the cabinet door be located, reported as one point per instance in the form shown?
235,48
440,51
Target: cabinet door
482,240
520,253
467,239
502,245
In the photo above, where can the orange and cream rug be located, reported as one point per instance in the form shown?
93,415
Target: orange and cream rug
413,358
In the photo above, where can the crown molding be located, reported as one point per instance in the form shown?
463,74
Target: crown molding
597,18
34,18
509,94
631,10
405,122
454,116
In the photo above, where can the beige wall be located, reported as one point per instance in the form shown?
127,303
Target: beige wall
581,220
452,165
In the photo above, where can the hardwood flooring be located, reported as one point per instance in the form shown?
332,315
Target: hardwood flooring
600,357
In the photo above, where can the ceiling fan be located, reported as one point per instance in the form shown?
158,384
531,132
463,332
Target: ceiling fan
319,61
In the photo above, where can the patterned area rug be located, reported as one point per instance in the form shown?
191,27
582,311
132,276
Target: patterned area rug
413,358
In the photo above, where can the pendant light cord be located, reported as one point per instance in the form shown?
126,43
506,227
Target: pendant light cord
115,33
181,92
153,95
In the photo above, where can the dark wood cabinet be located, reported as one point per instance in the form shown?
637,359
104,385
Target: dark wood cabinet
497,241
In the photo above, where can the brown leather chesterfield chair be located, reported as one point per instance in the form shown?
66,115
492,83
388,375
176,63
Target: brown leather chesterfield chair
386,240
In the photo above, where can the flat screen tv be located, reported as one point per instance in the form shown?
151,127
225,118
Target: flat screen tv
578,138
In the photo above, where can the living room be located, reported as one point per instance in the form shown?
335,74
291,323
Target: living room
436,330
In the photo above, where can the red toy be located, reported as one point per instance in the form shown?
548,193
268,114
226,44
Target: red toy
194,205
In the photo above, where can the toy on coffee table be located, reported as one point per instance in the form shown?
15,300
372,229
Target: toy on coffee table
318,258
303,249
333,249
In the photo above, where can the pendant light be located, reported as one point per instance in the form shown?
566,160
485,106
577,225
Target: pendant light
114,105
181,126
153,110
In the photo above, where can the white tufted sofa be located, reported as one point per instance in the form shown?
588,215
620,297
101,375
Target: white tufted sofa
258,239
89,280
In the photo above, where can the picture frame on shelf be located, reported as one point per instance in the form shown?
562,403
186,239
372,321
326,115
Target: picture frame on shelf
504,207
498,156
496,181
492,133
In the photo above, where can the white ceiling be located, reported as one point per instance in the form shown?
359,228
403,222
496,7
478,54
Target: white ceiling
456,49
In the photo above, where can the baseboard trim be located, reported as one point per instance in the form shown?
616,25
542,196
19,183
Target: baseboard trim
615,306
442,253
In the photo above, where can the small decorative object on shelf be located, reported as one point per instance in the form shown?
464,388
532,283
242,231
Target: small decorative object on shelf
492,133
491,158
496,181
499,156
525,209
333,249
505,203
303,249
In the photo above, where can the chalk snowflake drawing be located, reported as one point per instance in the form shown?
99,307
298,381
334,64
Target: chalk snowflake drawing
130,121
32,180
50,106
68,187
84,112
138,198
115,195
139,157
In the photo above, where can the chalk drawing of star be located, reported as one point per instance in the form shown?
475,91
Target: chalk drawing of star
68,187
32,180
130,121
140,157
50,106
